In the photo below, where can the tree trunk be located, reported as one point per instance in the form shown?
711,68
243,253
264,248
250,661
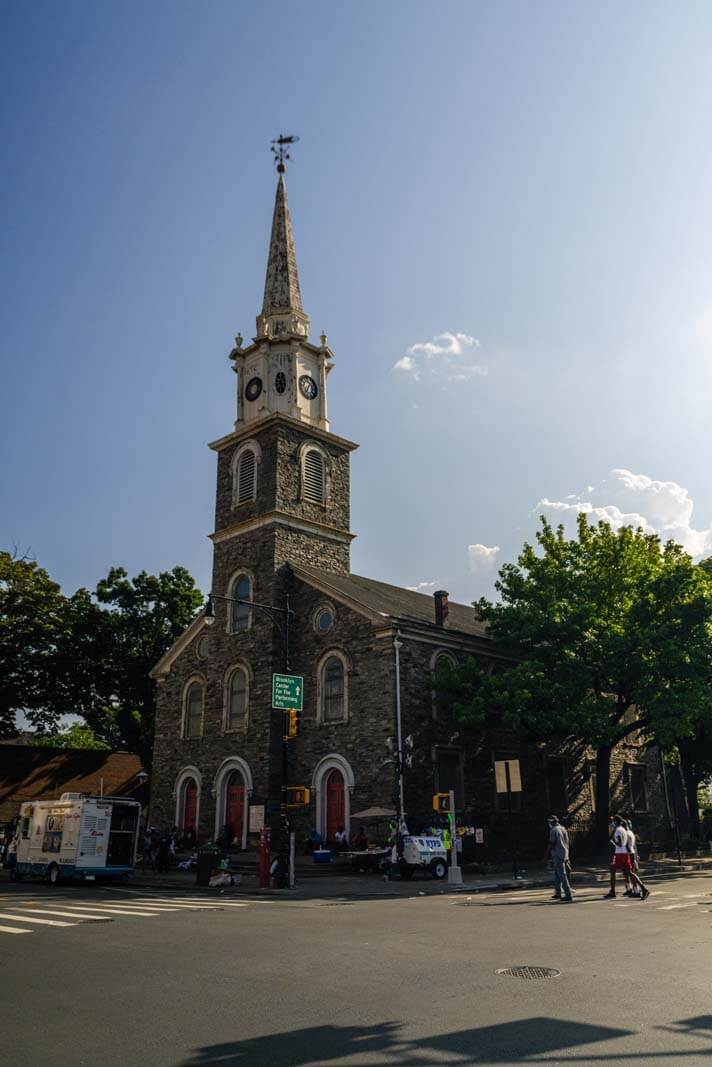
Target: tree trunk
603,775
691,780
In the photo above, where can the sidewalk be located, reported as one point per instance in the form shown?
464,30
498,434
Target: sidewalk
354,886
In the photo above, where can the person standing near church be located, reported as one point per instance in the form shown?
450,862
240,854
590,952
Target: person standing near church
558,852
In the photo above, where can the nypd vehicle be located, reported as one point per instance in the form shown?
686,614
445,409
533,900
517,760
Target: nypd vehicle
423,854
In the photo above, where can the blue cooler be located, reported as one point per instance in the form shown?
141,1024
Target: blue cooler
322,855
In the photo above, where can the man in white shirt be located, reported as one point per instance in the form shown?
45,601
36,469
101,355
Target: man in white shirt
621,860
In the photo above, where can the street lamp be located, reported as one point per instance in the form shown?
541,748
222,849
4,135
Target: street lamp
397,645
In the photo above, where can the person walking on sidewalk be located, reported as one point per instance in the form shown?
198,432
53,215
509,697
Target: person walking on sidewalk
558,851
621,860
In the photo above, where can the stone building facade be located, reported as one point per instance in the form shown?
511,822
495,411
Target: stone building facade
285,601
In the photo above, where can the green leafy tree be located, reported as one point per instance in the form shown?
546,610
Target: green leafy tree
142,617
75,736
610,636
35,634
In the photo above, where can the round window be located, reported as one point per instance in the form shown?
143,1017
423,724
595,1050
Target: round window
280,382
202,648
323,620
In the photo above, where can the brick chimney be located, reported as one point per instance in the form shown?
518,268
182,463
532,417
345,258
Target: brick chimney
441,608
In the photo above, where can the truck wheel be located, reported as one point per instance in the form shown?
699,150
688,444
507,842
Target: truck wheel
438,869
53,874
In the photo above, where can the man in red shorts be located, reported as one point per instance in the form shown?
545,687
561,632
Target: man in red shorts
621,860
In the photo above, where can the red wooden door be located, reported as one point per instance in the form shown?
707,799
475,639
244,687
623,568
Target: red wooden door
235,807
334,804
190,806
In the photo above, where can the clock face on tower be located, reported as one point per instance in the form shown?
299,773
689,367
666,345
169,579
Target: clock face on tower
253,388
308,387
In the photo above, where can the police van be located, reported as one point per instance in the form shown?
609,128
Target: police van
77,836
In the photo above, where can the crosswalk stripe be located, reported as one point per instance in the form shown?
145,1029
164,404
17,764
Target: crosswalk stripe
139,907
84,915
14,930
27,919
220,903
107,910
673,907
181,907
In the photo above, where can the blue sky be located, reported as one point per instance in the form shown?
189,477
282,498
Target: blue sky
511,201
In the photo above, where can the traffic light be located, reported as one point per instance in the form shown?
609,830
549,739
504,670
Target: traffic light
441,803
298,796
293,723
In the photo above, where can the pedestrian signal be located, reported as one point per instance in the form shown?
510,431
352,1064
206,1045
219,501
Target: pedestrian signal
298,796
441,802
293,723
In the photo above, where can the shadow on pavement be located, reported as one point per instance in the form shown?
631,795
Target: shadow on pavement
505,1043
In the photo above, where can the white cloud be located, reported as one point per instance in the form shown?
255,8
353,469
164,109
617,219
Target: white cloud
421,587
626,499
448,356
482,558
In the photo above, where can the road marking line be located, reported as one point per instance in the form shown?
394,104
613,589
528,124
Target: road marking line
14,930
673,907
209,903
109,910
85,915
42,922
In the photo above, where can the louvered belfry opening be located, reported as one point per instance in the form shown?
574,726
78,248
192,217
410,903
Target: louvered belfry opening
246,477
313,477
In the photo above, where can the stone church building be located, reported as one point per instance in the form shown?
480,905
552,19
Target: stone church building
281,539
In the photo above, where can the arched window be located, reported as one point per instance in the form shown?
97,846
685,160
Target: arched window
241,613
187,793
193,718
244,473
313,488
333,690
440,659
236,699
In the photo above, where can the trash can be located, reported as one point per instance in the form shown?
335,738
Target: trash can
207,859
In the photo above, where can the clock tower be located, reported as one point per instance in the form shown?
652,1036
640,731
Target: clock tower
281,371
283,476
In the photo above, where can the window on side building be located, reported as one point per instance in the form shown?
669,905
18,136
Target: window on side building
241,613
194,703
637,786
236,700
333,689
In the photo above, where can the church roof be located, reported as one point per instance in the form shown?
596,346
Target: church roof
391,601
282,290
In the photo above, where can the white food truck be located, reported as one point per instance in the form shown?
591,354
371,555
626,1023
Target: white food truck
77,837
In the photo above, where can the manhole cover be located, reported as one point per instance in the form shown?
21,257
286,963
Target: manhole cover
529,972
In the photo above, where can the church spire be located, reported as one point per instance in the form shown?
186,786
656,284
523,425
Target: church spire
282,292
282,311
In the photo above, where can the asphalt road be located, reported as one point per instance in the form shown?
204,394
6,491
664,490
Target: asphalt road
394,981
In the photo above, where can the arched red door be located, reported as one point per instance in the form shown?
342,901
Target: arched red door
335,808
235,806
190,806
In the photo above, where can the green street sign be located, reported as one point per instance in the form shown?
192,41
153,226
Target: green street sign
287,691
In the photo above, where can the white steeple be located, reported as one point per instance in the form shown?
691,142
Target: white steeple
281,371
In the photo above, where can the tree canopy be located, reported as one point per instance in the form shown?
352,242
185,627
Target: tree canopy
610,634
88,655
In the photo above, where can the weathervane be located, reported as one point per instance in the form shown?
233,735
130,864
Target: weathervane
279,151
